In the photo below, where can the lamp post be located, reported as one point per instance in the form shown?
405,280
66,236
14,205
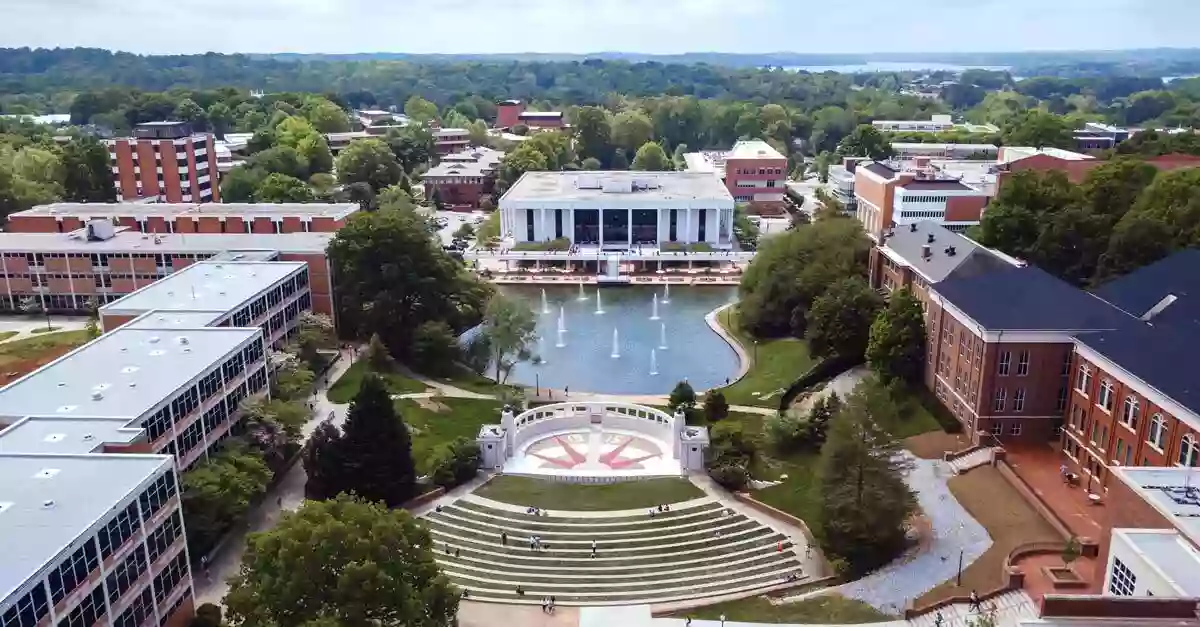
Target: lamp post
756,351
537,384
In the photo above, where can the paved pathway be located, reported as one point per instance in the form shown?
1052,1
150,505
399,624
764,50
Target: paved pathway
842,385
25,325
287,495
744,362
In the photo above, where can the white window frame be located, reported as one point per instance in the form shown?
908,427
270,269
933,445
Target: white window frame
1107,392
1000,400
1122,580
1189,452
1019,401
1023,364
1156,433
1084,382
1004,363
1131,410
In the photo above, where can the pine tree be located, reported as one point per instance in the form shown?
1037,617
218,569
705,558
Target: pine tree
376,448
322,463
896,350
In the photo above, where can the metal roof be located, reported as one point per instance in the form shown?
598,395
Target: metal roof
218,286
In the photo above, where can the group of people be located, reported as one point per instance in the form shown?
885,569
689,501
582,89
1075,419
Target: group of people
659,510
548,604
536,544
536,511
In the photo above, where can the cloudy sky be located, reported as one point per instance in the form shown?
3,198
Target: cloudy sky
653,26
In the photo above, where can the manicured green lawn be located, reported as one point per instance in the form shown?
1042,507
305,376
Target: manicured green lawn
344,389
573,496
33,347
4,335
462,418
775,364
466,379
40,330
828,608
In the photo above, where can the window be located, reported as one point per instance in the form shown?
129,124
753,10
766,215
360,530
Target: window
89,610
1005,361
114,534
1188,452
1122,580
1061,403
28,610
1157,433
1019,400
997,428
138,611
169,578
122,577
1084,382
1014,429
1106,395
72,571
164,536
1066,366
157,494
1001,399
1130,411
1023,364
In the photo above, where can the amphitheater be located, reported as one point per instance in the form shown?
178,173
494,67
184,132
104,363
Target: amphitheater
699,548
694,549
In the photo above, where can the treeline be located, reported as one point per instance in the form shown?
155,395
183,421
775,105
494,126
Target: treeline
37,169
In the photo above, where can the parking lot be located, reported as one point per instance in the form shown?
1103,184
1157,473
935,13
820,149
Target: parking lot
454,220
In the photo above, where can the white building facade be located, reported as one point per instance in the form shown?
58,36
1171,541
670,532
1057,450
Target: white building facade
619,210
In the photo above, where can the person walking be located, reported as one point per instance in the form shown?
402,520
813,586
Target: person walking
593,548
545,605
553,603
503,538
688,622
975,602
722,620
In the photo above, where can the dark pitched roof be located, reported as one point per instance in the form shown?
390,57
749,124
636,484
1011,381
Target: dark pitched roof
880,169
1166,358
1028,299
907,241
920,184
1177,276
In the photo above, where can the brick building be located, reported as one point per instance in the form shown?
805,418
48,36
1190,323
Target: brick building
208,218
1075,166
165,160
450,140
463,178
66,271
510,113
902,193
753,172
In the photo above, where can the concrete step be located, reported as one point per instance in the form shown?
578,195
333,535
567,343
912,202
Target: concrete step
649,525
583,577
724,524
971,460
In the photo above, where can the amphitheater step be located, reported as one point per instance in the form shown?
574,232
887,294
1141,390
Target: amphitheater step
974,459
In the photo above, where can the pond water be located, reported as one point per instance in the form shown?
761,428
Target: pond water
586,363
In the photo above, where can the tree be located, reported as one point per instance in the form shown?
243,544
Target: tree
591,163
524,159
715,406
839,322
790,432
555,146
293,381
866,141
455,463
220,118
420,109
315,333
218,492
1071,550
279,160
619,160
792,269
435,348
631,129
376,448
326,117
477,132
682,397
87,176
273,426
593,132
651,157
435,199
864,502
317,567
282,188
395,198
379,358
1012,221
298,133
730,456
1137,241
369,161
896,350
322,463
510,326
392,279
188,111
412,145
1038,129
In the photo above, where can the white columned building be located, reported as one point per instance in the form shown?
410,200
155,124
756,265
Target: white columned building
619,210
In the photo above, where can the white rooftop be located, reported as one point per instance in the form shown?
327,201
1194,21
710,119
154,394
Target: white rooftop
47,434
173,319
1169,552
47,501
127,241
712,161
473,162
617,190
1174,492
1009,154
122,374
753,149
218,286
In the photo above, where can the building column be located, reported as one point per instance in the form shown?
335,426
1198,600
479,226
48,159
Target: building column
687,229
629,228
600,231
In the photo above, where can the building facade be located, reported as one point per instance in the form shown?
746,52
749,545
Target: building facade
450,140
463,178
754,173
619,210
208,218
902,193
167,161
510,113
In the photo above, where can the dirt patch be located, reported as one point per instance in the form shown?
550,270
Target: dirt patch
1009,520
13,370
934,444
433,405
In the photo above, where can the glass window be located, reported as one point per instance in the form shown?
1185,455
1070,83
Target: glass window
1001,399
1188,452
28,610
1123,581
1084,382
159,492
72,571
169,578
89,610
1003,365
138,611
164,536
1106,395
1023,364
126,573
1019,400
1130,411
114,534
1061,403
1157,433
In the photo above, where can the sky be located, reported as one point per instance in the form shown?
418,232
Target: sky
578,26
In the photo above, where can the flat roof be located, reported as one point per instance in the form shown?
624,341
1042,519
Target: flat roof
127,241
258,210
176,319
753,149
122,374
1168,551
617,189
218,286
1174,492
48,434
48,501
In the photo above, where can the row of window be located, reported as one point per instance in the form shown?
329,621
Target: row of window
114,533
922,214
72,571
924,198
1156,436
758,171
126,573
89,610
1014,428
166,581
138,611
164,536
157,494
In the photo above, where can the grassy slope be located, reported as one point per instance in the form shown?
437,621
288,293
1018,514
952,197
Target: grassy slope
571,496
824,609
779,362
344,389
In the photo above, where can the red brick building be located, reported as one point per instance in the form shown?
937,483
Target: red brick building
903,193
165,160
209,218
754,173
510,113
449,140
463,178
1075,166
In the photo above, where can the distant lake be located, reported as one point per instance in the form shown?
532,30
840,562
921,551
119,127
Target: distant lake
897,66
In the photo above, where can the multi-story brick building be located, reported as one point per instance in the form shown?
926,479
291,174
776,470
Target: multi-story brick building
208,218
68,272
510,113
902,193
449,140
165,160
753,172
1075,166
463,178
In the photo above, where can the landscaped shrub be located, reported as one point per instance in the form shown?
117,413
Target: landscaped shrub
455,463
560,243
730,476
789,432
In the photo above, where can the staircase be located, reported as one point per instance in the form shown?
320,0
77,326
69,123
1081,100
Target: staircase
1010,608
974,459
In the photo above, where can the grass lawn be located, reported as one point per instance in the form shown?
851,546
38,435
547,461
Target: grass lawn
454,418
827,608
778,364
4,335
466,379
1008,519
573,496
34,347
40,330
344,389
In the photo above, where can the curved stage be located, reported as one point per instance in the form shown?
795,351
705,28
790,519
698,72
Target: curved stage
594,450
